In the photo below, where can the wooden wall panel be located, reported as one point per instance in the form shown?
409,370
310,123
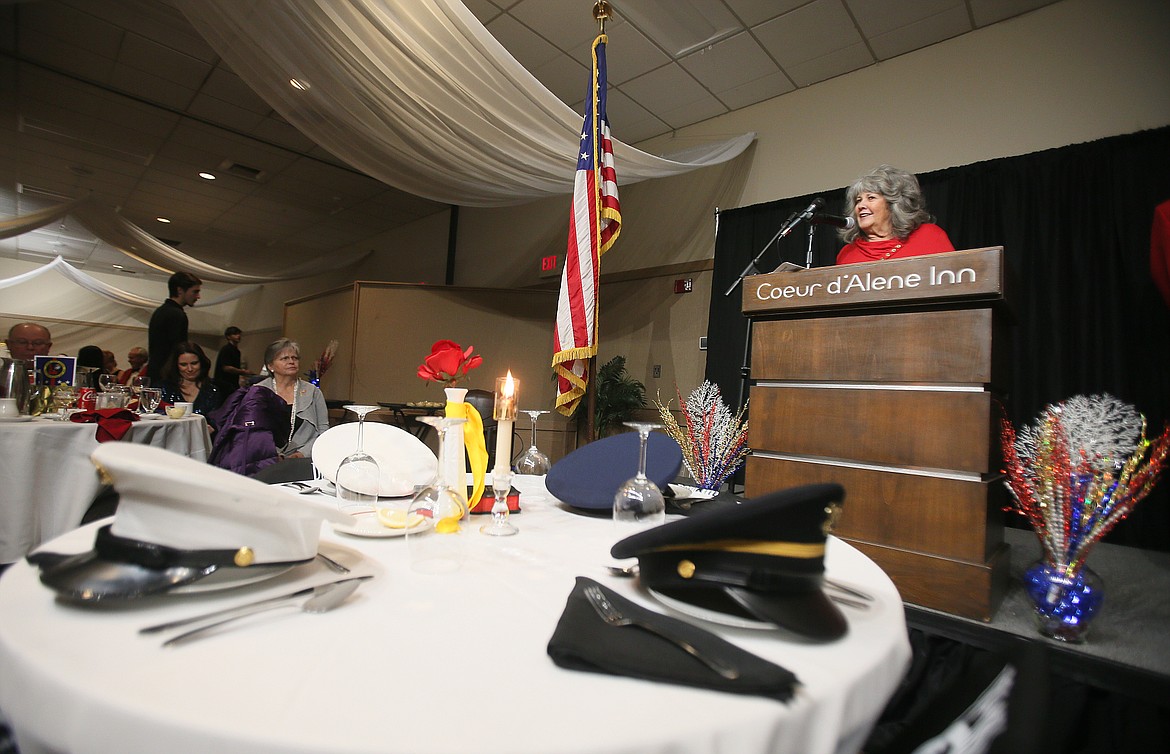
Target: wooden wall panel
970,590
935,347
946,517
921,428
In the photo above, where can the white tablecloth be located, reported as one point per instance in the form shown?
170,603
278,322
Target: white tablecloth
421,663
49,481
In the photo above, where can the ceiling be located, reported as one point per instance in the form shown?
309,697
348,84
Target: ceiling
124,100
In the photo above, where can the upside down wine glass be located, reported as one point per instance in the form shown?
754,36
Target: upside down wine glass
436,545
358,473
533,461
639,504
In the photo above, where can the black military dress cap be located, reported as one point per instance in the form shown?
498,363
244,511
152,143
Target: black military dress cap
761,560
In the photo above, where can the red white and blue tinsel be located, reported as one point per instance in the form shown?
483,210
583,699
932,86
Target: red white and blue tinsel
713,440
1074,474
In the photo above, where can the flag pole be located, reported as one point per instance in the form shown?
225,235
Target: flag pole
601,12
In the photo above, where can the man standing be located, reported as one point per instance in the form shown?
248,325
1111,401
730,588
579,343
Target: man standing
28,339
137,357
227,365
168,324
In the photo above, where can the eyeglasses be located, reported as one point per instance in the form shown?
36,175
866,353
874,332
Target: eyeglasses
34,343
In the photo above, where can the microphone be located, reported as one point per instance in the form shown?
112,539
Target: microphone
817,205
824,218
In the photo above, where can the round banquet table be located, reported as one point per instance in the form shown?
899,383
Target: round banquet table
421,663
50,481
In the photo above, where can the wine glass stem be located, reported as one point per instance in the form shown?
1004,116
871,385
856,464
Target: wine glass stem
642,435
361,431
534,432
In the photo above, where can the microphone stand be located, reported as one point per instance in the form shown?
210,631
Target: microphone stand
751,269
808,257
745,370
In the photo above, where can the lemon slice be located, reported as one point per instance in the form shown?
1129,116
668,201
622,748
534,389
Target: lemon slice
397,519
448,525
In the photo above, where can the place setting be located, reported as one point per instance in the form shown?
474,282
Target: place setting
713,569
215,535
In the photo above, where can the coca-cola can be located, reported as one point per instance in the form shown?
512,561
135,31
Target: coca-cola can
86,399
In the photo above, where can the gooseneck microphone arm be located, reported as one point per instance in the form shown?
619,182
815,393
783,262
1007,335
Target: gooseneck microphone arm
792,221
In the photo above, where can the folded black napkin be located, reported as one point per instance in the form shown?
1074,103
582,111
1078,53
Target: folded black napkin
583,641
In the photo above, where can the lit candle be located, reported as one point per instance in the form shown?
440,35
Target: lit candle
507,390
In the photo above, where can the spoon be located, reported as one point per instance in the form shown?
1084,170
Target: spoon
325,598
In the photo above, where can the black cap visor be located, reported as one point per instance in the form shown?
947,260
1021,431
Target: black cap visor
88,578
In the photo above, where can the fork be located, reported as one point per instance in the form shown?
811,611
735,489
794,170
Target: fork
613,616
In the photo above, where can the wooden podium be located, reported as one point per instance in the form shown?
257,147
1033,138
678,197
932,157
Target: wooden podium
880,376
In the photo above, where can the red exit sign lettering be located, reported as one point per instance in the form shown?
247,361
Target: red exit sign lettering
548,266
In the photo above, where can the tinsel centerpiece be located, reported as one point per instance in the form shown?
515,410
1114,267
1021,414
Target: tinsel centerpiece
1079,470
1073,475
713,440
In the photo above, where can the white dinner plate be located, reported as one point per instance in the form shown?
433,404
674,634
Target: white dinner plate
687,492
150,417
231,578
21,418
404,462
712,616
367,525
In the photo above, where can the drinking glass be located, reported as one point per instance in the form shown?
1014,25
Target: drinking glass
137,382
499,526
358,474
533,461
436,546
106,382
638,503
149,399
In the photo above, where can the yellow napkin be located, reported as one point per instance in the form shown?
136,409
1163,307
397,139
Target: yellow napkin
475,444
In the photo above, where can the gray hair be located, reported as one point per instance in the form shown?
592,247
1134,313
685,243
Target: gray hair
902,193
276,346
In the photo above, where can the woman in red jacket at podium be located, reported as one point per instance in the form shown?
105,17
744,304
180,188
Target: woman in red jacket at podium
890,219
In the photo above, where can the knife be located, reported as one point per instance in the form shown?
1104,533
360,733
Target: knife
246,606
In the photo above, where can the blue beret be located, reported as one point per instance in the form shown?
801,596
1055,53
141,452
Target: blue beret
589,477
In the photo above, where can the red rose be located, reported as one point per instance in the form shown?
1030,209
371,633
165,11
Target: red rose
448,362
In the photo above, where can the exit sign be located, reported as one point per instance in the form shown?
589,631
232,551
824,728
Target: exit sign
549,266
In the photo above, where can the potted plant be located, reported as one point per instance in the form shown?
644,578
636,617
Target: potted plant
618,396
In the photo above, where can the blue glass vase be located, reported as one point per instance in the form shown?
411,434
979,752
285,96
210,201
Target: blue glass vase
1065,602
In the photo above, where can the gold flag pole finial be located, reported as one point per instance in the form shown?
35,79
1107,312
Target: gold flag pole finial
601,11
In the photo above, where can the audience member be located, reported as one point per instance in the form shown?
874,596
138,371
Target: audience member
138,365
309,413
28,339
227,364
109,363
168,324
89,358
186,377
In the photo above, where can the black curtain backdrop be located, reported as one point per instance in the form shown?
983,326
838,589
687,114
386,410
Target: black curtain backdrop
1075,226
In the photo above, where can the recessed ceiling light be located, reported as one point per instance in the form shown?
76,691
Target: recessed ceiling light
163,219
298,84
207,176
117,267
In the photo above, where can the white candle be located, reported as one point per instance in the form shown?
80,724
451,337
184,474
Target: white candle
507,391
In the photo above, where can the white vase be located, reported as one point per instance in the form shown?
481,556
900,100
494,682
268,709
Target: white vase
454,455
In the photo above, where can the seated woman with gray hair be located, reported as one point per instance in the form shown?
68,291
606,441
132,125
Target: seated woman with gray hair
310,415
891,221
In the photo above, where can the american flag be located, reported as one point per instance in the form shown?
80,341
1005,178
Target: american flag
594,225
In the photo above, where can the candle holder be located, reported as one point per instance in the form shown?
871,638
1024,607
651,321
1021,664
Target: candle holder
499,525
507,391
504,412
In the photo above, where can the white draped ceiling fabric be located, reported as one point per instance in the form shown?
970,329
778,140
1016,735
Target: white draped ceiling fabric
417,94
93,285
137,244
